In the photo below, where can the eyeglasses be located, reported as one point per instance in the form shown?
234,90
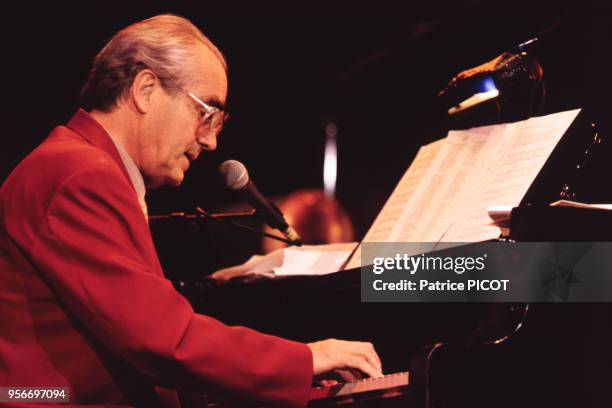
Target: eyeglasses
212,118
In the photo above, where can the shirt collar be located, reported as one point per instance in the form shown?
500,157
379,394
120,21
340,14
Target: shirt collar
133,173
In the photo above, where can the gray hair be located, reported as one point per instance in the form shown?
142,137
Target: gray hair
165,44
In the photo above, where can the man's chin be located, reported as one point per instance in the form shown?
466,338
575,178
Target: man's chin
176,179
172,180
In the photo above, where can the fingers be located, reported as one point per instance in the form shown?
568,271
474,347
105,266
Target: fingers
366,353
362,365
339,354
371,356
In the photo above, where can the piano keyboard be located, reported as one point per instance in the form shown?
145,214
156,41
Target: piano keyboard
388,383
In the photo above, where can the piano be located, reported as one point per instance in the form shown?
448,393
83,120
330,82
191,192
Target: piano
437,355
450,355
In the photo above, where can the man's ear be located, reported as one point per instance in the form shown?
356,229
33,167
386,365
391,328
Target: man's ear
143,87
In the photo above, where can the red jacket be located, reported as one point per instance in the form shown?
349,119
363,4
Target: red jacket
84,302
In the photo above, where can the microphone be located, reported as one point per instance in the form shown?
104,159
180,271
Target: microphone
236,178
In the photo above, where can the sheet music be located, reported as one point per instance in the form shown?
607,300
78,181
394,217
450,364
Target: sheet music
394,208
304,260
396,204
526,147
314,259
576,204
444,195
449,184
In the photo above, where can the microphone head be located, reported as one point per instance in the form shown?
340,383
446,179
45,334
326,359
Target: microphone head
234,175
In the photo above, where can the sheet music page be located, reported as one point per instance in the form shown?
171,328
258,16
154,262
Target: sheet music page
451,181
383,225
576,204
304,260
526,148
445,194
314,259
396,205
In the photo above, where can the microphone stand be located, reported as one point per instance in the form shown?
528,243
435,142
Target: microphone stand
226,218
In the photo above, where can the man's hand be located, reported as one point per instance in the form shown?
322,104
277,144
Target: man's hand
333,354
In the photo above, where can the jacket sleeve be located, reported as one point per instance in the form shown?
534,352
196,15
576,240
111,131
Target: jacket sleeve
90,250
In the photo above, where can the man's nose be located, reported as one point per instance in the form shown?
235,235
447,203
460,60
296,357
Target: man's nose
208,142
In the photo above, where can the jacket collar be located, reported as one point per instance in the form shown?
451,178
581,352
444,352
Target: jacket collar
89,129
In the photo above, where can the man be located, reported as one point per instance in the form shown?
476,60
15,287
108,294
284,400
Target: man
83,300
